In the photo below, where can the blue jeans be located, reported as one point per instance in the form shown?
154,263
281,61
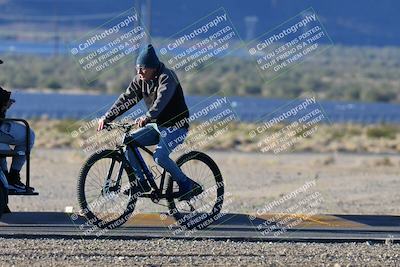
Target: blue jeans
166,143
14,133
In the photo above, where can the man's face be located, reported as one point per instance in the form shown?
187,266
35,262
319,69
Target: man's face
145,74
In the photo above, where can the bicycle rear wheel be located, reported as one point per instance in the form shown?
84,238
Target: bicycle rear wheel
103,179
201,210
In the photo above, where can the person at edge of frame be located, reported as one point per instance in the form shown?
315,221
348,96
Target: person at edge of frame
13,133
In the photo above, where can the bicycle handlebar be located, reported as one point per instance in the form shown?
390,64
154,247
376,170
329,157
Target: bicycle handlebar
126,126
115,125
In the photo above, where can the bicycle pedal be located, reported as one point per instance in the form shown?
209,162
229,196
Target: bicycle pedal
154,197
126,192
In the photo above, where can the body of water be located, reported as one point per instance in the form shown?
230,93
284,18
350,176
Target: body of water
247,109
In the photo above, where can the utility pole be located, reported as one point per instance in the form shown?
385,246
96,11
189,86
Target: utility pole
56,31
149,18
303,16
146,18
137,9
250,22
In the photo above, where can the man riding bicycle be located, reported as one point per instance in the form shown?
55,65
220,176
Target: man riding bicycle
162,93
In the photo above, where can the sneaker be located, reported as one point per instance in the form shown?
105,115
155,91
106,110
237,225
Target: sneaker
18,187
15,184
142,187
189,190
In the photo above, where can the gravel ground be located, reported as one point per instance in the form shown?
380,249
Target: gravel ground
161,252
348,183
358,184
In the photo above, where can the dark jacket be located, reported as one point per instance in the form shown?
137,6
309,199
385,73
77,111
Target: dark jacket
163,97
4,98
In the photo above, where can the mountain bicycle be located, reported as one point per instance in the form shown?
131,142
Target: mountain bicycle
107,185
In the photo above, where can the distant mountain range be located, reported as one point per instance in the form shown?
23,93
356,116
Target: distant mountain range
358,22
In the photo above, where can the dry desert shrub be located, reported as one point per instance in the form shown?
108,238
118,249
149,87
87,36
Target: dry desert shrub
326,139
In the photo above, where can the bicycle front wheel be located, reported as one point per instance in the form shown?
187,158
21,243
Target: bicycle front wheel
104,189
201,210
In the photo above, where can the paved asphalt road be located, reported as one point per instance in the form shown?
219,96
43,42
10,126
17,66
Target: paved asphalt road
318,228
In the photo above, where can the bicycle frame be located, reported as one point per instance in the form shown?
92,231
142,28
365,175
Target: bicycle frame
134,146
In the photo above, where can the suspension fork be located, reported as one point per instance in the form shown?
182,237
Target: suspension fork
121,168
107,182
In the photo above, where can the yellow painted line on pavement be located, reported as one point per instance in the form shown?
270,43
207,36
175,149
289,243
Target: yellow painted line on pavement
313,220
150,220
163,220
304,220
